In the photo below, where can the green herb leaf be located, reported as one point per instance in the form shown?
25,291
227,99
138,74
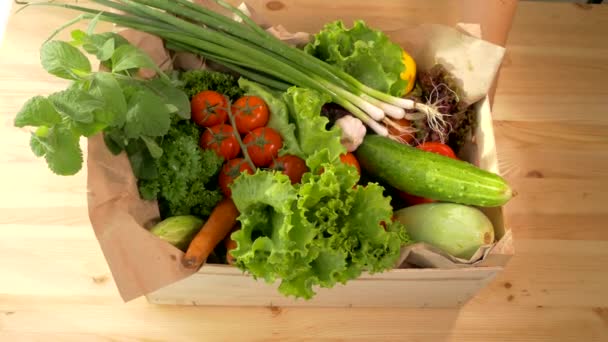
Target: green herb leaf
63,154
153,148
106,51
171,108
115,141
146,115
98,45
93,23
37,111
172,96
76,103
105,86
127,57
42,131
88,129
38,145
64,60
142,162
78,36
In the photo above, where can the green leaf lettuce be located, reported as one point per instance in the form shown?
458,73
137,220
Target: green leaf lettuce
366,54
321,232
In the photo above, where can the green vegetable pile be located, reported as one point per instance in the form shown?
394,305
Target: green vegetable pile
323,231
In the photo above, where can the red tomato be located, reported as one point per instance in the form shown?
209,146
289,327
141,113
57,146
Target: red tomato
292,166
221,139
250,112
350,159
439,148
413,200
230,171
209,108
263,145
404,136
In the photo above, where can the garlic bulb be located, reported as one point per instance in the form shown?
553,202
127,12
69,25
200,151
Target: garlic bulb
353,132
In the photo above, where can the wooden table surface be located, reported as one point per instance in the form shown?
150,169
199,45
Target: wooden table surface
551,112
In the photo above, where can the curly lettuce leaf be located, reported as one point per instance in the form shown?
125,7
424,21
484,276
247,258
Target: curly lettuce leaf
305,111
184,174
196,80
365,53
321,232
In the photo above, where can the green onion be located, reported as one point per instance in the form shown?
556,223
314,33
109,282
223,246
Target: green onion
249,50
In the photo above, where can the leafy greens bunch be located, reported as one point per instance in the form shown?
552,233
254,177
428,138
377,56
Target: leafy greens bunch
133,113
185,172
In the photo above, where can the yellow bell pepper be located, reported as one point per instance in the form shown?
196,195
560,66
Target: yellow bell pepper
409,74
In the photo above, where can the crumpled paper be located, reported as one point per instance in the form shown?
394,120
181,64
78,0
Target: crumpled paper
473,61
142,263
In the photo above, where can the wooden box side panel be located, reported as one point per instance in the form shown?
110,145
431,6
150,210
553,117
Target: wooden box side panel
397,288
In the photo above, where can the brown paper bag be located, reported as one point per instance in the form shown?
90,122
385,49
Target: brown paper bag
141,263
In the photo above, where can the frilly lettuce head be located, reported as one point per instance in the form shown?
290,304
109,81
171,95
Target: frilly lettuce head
366,54
322,231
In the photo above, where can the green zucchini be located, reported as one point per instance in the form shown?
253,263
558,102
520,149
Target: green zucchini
431,175
457,229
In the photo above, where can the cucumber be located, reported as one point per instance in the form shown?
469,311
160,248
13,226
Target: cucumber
431,175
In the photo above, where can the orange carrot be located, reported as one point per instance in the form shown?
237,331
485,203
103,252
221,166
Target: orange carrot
218,225
230,245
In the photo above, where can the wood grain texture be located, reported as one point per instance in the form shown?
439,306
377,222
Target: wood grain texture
550,108
429,288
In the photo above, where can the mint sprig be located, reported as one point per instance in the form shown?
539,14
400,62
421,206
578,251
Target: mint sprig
131,112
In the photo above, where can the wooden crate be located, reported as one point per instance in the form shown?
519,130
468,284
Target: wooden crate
227,286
